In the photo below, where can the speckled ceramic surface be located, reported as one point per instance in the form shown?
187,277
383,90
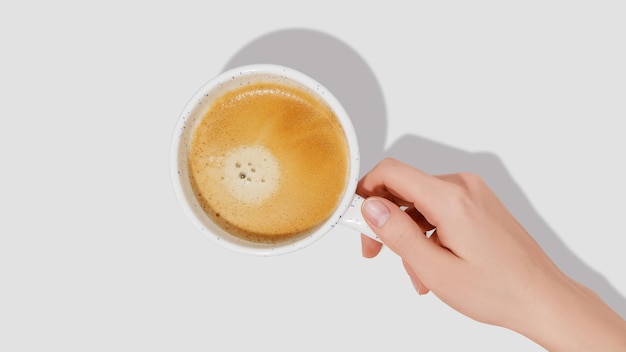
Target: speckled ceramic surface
344,214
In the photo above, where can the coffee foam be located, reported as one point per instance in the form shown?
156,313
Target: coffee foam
251,174
269,162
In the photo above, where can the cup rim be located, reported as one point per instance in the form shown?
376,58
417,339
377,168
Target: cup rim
184,129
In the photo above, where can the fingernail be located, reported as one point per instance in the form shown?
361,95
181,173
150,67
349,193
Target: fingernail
376,212
416,287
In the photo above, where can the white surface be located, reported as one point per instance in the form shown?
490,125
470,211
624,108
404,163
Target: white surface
97,255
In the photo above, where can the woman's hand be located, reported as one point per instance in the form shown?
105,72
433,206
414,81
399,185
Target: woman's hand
479,260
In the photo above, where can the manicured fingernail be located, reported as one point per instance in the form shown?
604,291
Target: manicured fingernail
376,212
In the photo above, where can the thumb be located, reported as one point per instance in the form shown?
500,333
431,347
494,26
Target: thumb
393,226
405,237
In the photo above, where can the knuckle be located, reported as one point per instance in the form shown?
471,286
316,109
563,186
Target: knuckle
471,181
387,162
462,197
401,234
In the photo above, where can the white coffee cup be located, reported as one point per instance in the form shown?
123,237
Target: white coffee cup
348,211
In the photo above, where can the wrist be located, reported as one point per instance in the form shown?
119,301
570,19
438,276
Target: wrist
570,317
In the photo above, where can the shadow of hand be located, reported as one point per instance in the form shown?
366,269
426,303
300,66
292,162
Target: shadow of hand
345,73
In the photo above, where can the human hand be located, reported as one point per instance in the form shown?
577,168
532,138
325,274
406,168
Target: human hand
479,260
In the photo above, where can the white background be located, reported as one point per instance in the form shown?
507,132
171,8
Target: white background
97,255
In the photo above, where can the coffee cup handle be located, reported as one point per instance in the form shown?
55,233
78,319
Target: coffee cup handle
353,218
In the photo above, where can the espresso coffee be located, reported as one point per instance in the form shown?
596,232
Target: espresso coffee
269,162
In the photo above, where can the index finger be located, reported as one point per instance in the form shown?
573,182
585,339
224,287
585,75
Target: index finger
406,184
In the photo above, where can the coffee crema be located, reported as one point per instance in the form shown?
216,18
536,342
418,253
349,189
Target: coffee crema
269,162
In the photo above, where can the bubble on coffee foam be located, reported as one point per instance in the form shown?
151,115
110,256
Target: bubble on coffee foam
250,173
